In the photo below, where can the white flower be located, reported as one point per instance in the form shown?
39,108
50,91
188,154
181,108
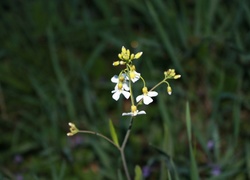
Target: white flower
134,76
122,78
146,96
119,89
134,112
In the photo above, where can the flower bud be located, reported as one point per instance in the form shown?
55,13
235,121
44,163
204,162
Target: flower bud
138,55
120,85
116,63
73,129
122,62
120,56
132,56
169,90
133,108
145,90
132,74
177,76
121,78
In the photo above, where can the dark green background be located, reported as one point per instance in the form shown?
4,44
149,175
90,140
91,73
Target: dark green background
56,63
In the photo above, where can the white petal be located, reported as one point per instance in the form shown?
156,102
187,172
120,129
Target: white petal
138,98
141,112
136,78
147,100
125,86
114,79
127,114
126,94
152,93
116,95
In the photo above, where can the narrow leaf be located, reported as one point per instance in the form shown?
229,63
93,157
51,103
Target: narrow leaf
113,133
138,173
194,169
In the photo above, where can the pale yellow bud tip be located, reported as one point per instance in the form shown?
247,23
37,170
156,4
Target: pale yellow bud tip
138,55
70,134
116,63
177,76
122,63
73,129
169,90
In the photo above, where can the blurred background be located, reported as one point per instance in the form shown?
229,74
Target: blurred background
56,64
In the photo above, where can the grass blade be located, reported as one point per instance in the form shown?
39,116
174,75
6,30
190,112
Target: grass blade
194,169
113,133
138,173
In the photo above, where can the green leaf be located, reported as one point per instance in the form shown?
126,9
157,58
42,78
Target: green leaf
138,173
194,169
113,133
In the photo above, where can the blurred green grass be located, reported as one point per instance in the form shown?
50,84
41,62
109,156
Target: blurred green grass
55,67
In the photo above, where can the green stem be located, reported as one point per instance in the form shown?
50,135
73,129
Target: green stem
100,135
157,85
123,147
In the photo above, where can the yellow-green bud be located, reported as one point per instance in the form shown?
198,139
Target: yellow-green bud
177,76
116,63
120,85
132,74
122,62
138,55
73,129
123,50
145,90
132,68
120,56
169,90
132,56
172,73
133,108
121,78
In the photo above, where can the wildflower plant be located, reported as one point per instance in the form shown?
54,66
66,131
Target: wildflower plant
124,83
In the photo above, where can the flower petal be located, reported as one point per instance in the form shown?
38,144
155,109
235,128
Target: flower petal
137,77
147,100
116,95
141,112
127,114
125,86
138,98
126,94
114,79
152,93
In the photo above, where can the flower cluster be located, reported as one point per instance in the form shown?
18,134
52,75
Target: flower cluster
129,75
73,129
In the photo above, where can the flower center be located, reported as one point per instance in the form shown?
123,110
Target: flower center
145,90
133,108
120,85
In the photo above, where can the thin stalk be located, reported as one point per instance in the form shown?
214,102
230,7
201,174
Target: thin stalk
123,147
100,135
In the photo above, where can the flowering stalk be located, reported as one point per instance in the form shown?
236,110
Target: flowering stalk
124,86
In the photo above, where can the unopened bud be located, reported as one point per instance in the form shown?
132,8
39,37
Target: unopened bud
132,56
122,62
145,90
138,55
169,90
133,108
120,85
177,76
116,63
